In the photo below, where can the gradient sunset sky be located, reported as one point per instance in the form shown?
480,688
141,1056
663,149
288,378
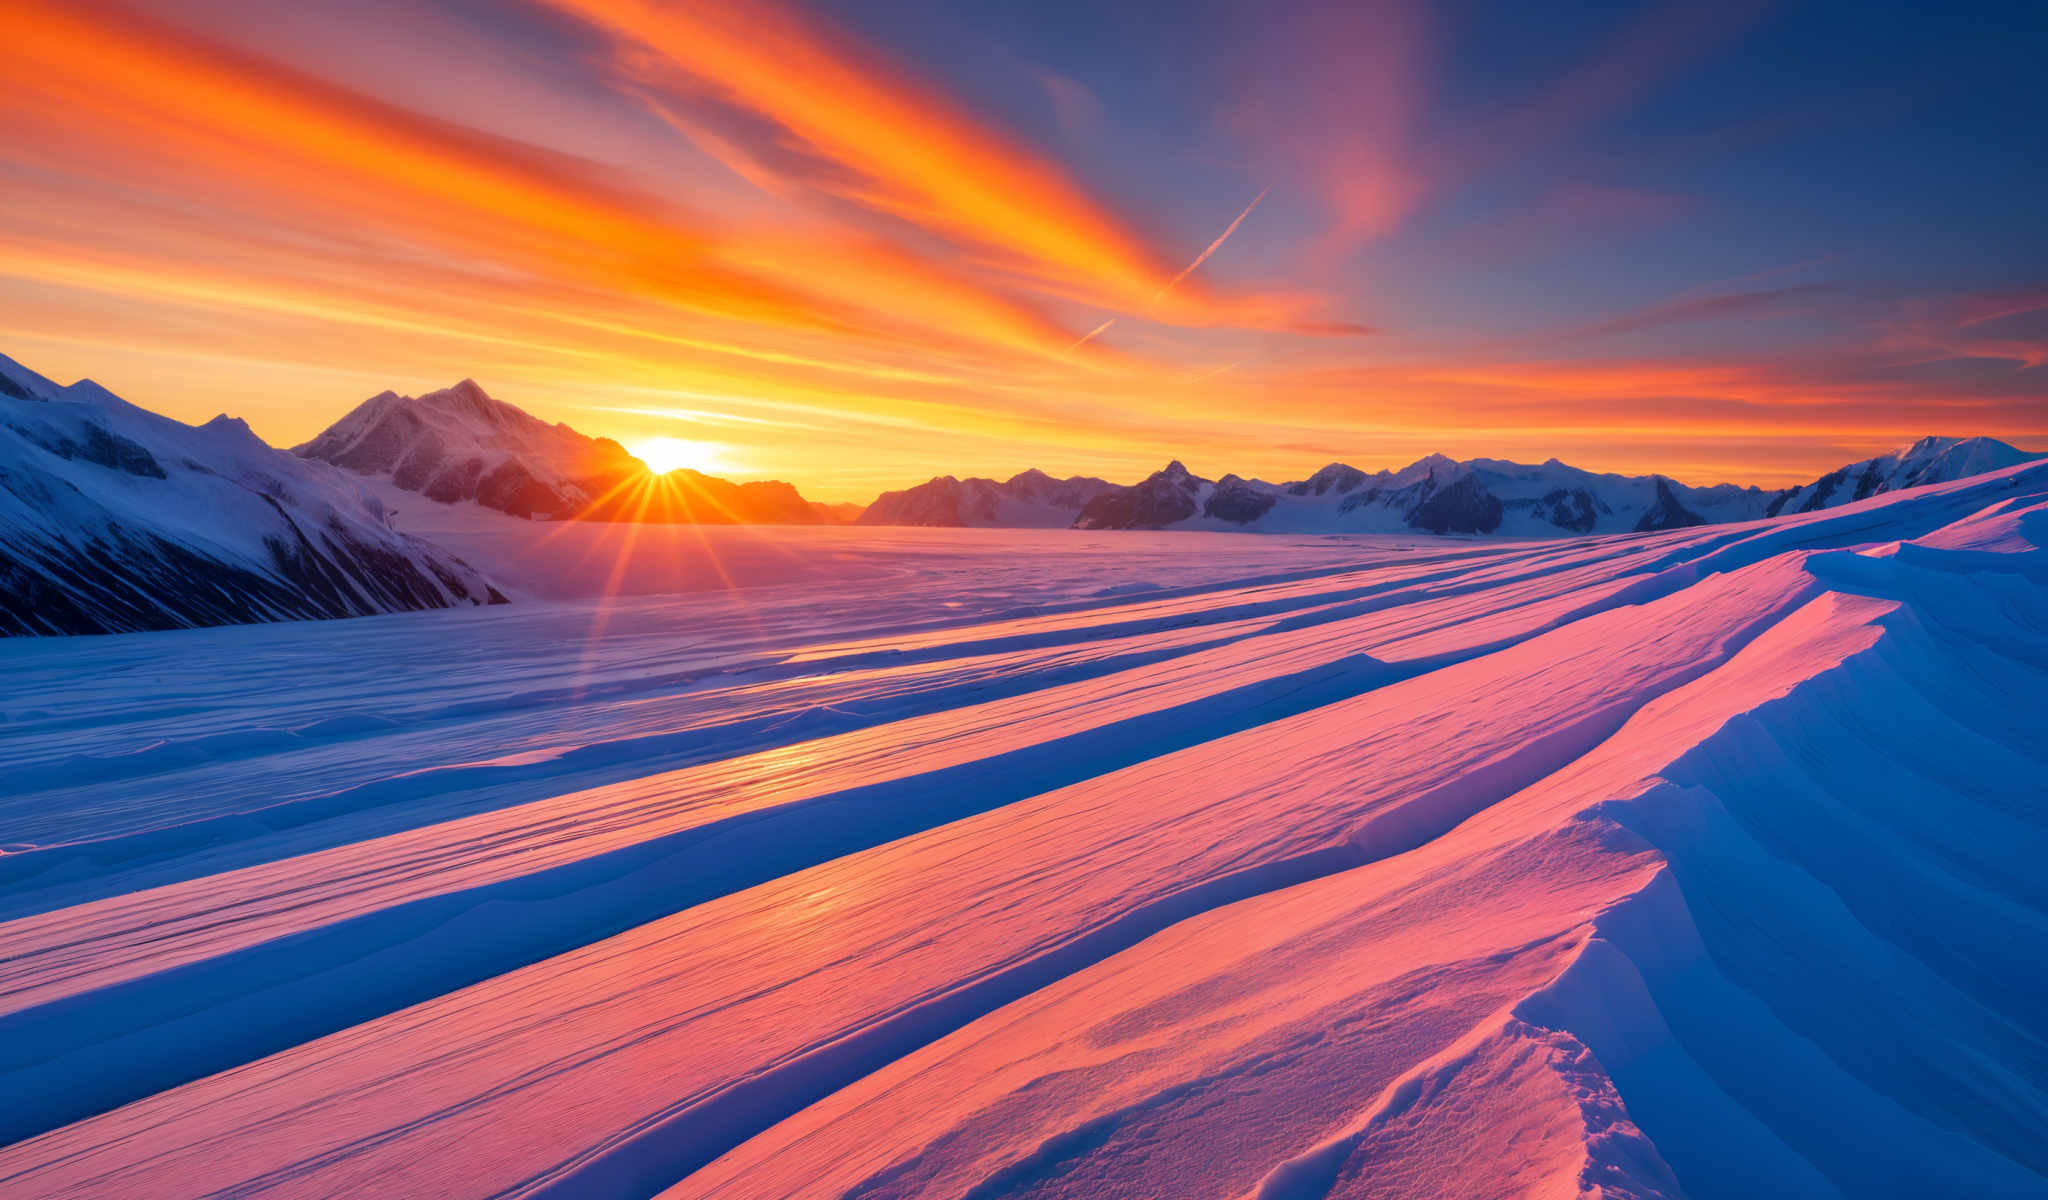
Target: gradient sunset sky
856,244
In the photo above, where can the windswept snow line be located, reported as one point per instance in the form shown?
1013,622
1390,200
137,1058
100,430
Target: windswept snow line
1808,644
95,1050
1740,1103
670,1146
239,1003
696,1134
497,1086
1522,691
535,775
596,763
1368,589
1927,1092
673,1145
1455,1098
1888,1034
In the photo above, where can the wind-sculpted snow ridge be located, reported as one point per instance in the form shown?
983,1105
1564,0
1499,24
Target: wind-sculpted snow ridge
114,519
1696,863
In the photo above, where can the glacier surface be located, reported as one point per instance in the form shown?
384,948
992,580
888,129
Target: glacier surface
1702,862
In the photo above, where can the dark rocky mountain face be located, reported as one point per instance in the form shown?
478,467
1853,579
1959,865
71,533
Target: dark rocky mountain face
130,582
1163,499
1237,501
1571,509
1460,506
1668,512
114,519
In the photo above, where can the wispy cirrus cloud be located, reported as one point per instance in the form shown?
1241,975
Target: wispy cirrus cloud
1729,307
233,211
106,91
821,113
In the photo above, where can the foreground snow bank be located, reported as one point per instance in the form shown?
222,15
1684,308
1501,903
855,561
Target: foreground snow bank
1700,863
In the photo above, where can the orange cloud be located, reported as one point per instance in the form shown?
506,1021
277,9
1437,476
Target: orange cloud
105,91
204,229
899,148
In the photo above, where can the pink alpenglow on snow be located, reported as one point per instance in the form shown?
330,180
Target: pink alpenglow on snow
1341,600
1698,863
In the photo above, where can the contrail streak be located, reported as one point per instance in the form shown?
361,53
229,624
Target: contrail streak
1213,246
1168,286
1089,336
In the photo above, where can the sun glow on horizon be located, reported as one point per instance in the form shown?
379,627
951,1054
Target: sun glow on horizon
856,264
665,454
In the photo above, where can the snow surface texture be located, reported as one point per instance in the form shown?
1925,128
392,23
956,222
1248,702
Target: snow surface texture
114,518
1432,495
1703,863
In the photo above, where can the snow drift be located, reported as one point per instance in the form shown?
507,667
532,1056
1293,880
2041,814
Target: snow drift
1701,862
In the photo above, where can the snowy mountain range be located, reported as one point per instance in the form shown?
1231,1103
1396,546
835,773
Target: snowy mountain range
113,518
1030,500
460,444
1432,495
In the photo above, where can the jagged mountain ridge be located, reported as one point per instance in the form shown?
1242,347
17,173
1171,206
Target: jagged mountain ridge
461,444
1929,460
1439,495
1028,500
115,519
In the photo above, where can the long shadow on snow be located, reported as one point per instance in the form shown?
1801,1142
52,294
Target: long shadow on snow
62,865
101,1049
668,1146
98,1050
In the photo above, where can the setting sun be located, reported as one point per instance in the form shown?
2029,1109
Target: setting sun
665,454
1106,598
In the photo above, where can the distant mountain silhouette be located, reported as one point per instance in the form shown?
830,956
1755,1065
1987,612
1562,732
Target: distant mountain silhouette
1032,499
460,444
1435,495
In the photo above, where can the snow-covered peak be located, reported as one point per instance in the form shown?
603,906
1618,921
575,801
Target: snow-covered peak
116,518
1928,460
1955,457
1439,494
460,444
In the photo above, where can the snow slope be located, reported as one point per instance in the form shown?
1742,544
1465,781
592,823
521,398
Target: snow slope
113,518
1701,862
1929,460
